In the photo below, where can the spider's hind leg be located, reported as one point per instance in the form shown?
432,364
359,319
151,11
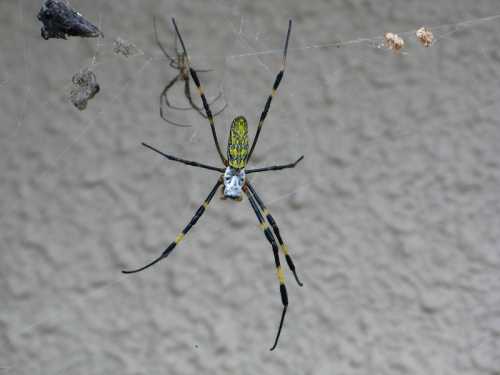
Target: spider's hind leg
279,271
270,219
183,233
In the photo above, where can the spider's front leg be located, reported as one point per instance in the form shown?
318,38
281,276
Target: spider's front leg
276,84
187,93
201,93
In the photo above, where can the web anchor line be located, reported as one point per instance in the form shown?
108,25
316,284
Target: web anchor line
440,32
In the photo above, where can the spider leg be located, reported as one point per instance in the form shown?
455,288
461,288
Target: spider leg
202,95
181,235
277,81
279,271
217,98
270,220
182,108
275,167
172,61
164,98
203,70
176,45
173,64
192,163
187,92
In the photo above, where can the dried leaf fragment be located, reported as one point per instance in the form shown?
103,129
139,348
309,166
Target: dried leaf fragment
124,47
425,36
85,87
394,41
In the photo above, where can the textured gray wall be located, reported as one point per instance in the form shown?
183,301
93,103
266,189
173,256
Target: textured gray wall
393,217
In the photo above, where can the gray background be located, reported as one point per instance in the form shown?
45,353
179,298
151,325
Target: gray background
393,217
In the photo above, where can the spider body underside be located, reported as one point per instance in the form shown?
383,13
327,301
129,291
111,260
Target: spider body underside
234,180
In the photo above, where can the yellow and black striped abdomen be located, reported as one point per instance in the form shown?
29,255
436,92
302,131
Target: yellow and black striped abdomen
237,147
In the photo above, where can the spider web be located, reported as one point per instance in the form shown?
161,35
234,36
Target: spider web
260,49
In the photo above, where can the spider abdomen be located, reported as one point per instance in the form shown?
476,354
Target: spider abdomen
237,147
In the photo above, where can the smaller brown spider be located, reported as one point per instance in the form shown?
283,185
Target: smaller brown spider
181,63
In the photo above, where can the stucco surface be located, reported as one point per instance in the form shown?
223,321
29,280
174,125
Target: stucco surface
393,217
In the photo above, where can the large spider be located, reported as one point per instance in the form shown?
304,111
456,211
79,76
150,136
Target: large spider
235,181
181,64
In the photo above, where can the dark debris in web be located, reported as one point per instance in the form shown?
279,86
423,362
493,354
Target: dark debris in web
60,20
